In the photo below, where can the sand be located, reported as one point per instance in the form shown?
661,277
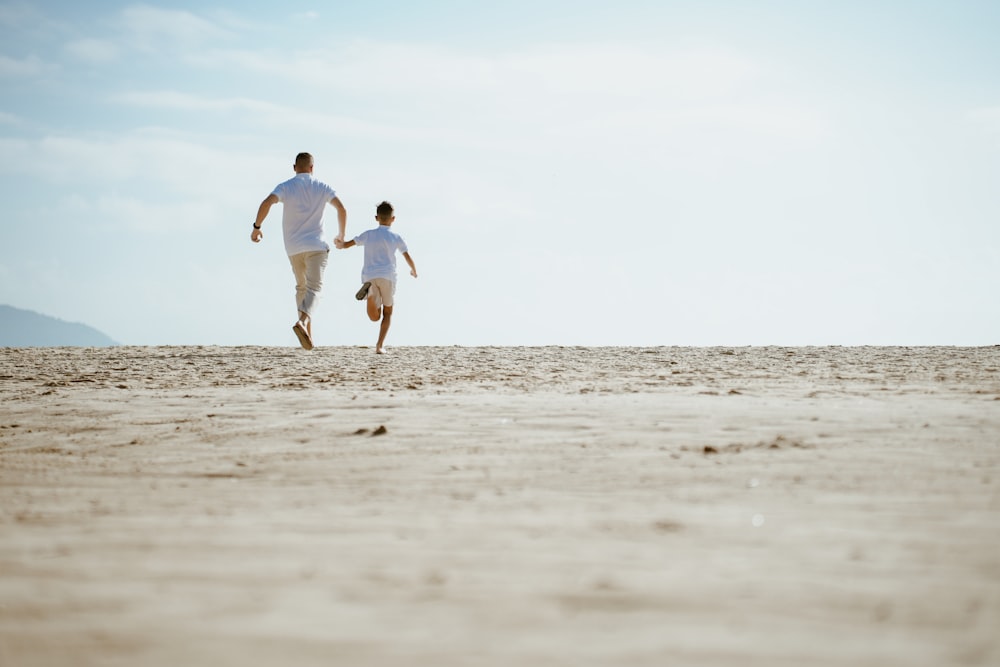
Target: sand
500,506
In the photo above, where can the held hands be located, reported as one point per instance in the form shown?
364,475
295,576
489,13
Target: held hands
339,243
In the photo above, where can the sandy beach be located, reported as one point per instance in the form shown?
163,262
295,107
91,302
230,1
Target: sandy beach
550,506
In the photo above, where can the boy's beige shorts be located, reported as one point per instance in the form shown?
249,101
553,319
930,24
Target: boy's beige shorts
383,290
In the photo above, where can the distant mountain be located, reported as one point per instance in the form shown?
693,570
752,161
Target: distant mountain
24,328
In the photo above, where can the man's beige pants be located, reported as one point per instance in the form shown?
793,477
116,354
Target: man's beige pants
308,268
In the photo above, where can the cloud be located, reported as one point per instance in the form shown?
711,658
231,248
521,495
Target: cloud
93,50
987,121
989,116
631,71
505,100
159,164
517,99
609,69
272,115
786,120
121,212
29,67
18,14
138,183
175,100
153,29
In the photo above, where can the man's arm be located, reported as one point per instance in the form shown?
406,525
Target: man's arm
341,217
265,207
409,260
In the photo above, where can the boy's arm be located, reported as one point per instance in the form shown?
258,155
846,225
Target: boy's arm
409,260
346,244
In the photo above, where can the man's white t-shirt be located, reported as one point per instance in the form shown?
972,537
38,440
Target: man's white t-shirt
380,246
304,201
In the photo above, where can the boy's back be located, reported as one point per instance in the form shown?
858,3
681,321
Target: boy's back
380,246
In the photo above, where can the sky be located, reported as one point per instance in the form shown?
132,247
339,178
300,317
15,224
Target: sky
691,172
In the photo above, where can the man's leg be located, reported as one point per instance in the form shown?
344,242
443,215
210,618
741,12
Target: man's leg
315,264
298,263
301,326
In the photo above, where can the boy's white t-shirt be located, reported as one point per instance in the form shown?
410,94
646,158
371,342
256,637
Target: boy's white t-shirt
304,200
380,246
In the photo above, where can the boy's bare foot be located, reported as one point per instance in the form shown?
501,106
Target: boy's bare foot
379,350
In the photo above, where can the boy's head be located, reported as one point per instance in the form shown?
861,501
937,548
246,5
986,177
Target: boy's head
384,213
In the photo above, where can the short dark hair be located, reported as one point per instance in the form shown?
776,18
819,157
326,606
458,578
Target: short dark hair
384,210
303,159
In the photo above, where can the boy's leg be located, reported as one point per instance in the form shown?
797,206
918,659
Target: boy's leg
383,328
385,291
374,304
380,293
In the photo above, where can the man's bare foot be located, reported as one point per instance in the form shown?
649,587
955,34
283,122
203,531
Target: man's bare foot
305,340
379,350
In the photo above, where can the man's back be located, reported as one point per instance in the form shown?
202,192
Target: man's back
304,200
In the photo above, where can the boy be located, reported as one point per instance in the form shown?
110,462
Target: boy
379,271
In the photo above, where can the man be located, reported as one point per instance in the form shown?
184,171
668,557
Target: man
304,201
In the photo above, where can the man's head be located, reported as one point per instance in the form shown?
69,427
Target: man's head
384,213
303,163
